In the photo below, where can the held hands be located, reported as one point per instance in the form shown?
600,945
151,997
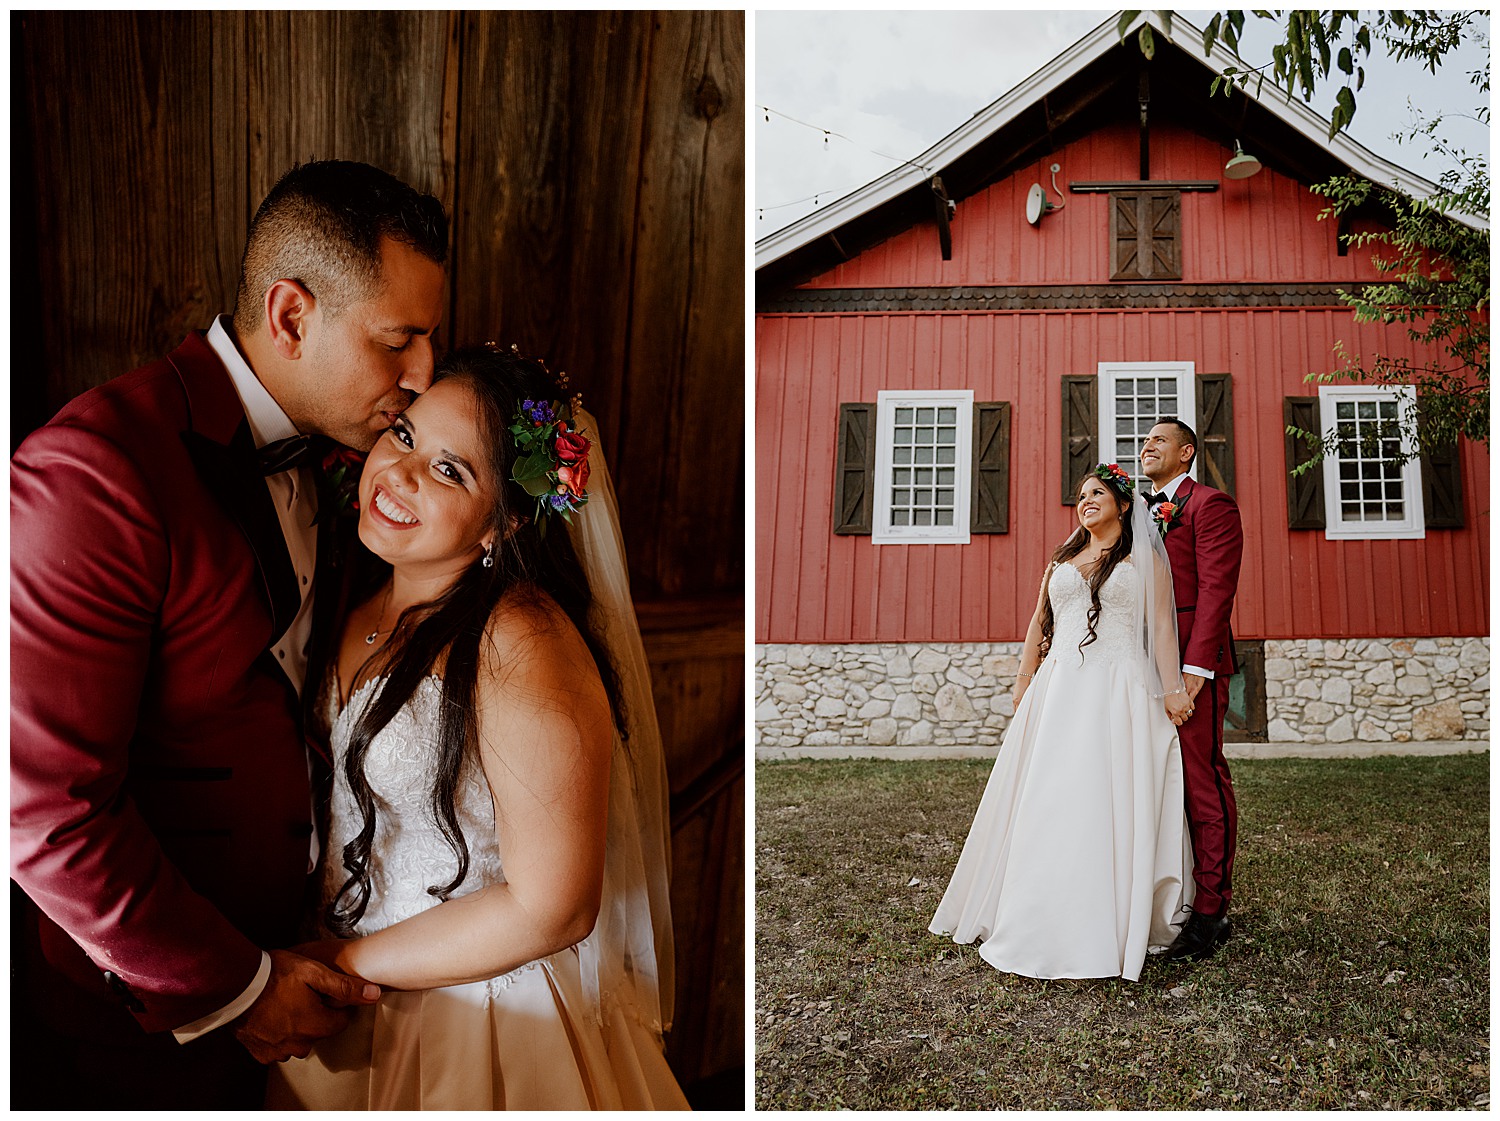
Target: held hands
1193,683
303,1001
1179,707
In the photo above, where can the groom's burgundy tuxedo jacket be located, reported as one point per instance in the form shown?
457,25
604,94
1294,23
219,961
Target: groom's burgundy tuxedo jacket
159,787
1204,546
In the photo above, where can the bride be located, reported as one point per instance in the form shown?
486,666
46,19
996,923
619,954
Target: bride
1078,859
496,854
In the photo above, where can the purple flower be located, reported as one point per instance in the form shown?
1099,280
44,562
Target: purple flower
559,501
539,411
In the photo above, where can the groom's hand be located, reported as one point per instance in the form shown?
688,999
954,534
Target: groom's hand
303,1001
1193,683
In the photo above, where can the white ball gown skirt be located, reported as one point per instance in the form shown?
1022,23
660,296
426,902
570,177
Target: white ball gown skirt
1078,859
530,1039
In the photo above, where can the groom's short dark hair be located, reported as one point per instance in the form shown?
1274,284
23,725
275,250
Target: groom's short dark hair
1186,434
322,226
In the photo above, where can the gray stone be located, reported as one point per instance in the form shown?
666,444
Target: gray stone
930,661
1476,653
1001,665
767,711
823,656
1333,651
1279,669
885,691
789,692
960,678
1384,673
1337,691
1416,666
775,655
1279,731
899,666
907,707
1480,684
1003,704
857,695
1442,721
1376,652
822,739
797,657
924,683
1410,686
1445,664
918,734
1341,730
1369,730
1308,689
952,704
1317,713
882,733
873,709
829,706
1425,646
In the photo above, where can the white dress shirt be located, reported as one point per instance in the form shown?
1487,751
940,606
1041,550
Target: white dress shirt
1170,489
295,497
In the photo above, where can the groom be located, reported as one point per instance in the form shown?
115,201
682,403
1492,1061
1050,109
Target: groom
1204,543
162,557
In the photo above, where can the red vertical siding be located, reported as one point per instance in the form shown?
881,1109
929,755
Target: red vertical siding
1255,230
814,587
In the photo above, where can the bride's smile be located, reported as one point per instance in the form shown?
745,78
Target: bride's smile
429,485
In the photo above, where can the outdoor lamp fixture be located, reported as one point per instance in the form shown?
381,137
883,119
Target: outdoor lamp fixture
1241,166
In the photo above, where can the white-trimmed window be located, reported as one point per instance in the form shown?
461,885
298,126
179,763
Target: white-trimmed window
1133,396
1369,494
923,462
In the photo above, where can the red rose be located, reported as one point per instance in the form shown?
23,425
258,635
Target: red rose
343,457
571,447
575,478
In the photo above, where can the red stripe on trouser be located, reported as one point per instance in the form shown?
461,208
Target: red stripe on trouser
1210,797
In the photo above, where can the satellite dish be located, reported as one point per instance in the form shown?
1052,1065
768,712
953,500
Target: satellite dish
1036,204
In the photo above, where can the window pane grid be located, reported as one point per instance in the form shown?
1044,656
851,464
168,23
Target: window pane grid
1371,487
922,489
1139,403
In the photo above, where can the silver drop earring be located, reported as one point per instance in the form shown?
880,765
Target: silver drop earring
489,556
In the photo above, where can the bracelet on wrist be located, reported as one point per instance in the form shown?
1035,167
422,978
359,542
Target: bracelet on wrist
1020,673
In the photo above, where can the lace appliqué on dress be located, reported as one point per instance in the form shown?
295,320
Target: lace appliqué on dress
1115,630
409,853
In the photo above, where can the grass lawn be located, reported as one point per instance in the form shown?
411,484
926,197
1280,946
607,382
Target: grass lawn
1357,977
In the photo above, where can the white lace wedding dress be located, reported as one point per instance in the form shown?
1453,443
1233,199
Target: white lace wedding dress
1078,855
525,1040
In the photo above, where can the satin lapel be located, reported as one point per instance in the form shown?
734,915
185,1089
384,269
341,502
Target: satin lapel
223,452
232,475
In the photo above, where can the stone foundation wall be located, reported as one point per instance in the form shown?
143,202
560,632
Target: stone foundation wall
1376,690
955,697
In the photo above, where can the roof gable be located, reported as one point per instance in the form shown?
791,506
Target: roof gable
1095,81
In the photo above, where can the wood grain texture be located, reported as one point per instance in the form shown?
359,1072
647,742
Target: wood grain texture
592,164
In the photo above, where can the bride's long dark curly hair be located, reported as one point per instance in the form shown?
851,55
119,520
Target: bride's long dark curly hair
1111,558
445,635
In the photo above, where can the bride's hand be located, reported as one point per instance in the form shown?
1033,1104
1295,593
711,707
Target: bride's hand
326,951
1179,707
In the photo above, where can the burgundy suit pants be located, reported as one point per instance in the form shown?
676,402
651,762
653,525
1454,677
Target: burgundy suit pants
1210,797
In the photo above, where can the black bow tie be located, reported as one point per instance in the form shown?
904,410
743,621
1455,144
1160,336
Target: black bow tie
284,455
1153,499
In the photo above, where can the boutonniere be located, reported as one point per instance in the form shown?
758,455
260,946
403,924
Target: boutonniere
1167,515
338,485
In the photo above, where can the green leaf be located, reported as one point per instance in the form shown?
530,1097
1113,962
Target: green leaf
1213,87
1346,60
1126,18
1148,41
1166,21
1210,33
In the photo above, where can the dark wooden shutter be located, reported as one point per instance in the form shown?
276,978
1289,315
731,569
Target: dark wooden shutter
990,504
1080,431
1216,432
1145,235
1304,493
1443,488
854,473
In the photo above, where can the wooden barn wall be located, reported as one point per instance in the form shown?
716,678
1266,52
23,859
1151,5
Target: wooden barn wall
593,166
1255,230
813,586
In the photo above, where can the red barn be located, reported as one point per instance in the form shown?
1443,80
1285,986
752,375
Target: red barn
936,369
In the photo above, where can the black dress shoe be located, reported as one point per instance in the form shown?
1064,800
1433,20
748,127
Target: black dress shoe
1201,935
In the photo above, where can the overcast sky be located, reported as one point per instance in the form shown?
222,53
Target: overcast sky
895,83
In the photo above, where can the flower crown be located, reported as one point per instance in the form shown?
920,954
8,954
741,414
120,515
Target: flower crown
552,457
1117,479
